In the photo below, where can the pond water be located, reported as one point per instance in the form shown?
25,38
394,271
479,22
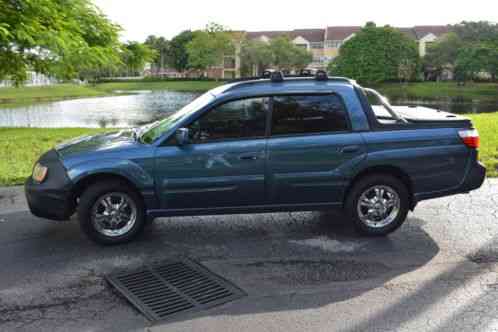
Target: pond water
146,106
452,105
116,111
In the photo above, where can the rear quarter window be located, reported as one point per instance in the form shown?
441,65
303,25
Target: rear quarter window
307,114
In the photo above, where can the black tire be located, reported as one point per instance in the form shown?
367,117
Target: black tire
363,185
90,197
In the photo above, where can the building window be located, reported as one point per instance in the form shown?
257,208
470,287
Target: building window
316,45
333,43
302,46
229,62
429,45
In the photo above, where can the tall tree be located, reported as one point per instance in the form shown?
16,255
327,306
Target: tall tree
255,57
442,54
283,52
55,37
301,58
178,50
208,47
475,59
288,56
470,49
163,53
377,54
135,55
476,31
280,53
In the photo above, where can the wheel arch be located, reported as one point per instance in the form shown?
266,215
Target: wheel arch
84,182
386,170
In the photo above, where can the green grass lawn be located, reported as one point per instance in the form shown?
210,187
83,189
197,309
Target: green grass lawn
21,147
437,90
487,124
33,94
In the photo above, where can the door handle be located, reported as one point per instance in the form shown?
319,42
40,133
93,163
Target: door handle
350,149
248,157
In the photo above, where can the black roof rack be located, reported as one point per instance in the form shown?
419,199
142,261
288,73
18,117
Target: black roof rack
278,76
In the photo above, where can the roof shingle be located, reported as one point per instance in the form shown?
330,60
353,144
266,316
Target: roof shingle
437,30
311,35
341,33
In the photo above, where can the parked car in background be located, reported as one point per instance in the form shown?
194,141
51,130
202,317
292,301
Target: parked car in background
263,145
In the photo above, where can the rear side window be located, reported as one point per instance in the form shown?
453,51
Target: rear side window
302,114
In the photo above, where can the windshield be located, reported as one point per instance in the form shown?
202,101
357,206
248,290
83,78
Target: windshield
381,107
157,129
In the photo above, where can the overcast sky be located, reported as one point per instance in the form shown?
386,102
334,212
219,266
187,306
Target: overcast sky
167,18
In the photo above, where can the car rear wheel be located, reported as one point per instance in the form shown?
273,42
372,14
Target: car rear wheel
111,212
378,204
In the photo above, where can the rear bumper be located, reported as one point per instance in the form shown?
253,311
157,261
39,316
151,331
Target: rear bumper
473,180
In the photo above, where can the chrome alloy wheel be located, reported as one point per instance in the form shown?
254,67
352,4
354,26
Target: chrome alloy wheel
114,214
378,206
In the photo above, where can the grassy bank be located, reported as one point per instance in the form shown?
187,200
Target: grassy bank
428,90
29,95
189,86
487,124
34,94
22,146
438,90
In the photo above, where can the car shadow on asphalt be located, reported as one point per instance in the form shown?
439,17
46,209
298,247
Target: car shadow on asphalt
283,254
263,254
471,311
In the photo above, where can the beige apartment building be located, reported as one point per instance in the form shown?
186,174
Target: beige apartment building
324,44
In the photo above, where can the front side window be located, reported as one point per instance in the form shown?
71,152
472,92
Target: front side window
308,114
237,119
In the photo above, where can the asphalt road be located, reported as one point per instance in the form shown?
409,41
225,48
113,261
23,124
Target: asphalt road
302,271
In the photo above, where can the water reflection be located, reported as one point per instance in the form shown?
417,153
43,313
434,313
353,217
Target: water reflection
116,111
452,105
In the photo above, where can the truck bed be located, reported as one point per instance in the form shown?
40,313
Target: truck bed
422,115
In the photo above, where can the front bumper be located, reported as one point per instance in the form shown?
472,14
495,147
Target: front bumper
51,199
48,203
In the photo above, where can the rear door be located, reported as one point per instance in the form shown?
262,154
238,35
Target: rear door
311,150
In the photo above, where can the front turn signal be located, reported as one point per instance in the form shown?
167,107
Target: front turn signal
40,172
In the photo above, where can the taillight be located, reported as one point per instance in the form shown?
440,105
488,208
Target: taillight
470,137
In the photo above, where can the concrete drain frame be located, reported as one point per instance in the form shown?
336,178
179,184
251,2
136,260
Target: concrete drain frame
167,290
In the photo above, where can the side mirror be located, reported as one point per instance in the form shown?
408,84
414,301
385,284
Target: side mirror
182,136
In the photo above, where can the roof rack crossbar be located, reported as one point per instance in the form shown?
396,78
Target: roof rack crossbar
278,76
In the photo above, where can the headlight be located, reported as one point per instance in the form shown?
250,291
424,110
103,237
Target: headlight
39,173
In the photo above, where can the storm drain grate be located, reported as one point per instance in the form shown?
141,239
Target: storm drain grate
165,290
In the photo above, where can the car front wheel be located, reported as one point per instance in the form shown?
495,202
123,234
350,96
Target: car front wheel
111,212
378,204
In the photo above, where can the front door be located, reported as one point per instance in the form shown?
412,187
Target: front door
223,165
311,150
